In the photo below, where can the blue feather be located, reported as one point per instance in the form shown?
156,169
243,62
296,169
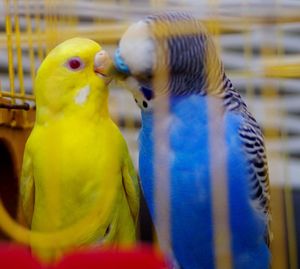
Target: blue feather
190,184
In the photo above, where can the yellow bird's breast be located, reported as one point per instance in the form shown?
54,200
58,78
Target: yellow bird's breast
77,169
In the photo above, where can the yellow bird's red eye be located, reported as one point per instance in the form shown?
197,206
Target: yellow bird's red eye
75,64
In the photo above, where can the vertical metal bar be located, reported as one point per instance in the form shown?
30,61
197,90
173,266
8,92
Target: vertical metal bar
219,180
291,229
39,32
9,33
19,57
73,18
279,244
248,54
161,175
47,21
162,180
219,183
55,22
30,44
52,23
19,50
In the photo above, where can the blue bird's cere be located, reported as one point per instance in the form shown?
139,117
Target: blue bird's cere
120,65
179,44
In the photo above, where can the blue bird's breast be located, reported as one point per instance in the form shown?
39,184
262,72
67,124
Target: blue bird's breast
189,156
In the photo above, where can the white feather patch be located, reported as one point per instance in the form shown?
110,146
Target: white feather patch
82,95
137,48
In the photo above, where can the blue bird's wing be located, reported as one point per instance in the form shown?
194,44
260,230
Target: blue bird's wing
254,148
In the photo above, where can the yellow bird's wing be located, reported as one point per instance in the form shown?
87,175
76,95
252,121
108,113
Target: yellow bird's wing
131,186
27,189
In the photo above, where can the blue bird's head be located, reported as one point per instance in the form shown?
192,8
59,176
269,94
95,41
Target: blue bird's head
171,52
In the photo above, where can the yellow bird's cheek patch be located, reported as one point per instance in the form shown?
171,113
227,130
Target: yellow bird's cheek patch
82,95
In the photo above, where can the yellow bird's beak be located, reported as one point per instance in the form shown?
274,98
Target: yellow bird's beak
103,65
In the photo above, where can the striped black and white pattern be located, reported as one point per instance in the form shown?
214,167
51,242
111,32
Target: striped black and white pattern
185,55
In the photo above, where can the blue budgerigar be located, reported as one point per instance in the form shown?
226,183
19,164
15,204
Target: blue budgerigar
194,83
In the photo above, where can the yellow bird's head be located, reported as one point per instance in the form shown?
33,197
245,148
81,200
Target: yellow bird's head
72,78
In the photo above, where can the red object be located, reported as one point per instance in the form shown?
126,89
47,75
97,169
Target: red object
138,258
14,256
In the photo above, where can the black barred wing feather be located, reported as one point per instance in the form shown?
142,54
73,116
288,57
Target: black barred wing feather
252,139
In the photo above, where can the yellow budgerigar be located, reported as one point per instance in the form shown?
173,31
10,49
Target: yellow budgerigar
77,174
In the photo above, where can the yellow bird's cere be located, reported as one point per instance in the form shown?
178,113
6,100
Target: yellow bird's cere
76,166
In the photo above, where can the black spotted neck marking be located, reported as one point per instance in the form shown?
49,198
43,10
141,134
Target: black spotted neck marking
143,99
145,104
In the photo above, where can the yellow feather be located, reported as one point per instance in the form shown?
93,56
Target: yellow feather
76,162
